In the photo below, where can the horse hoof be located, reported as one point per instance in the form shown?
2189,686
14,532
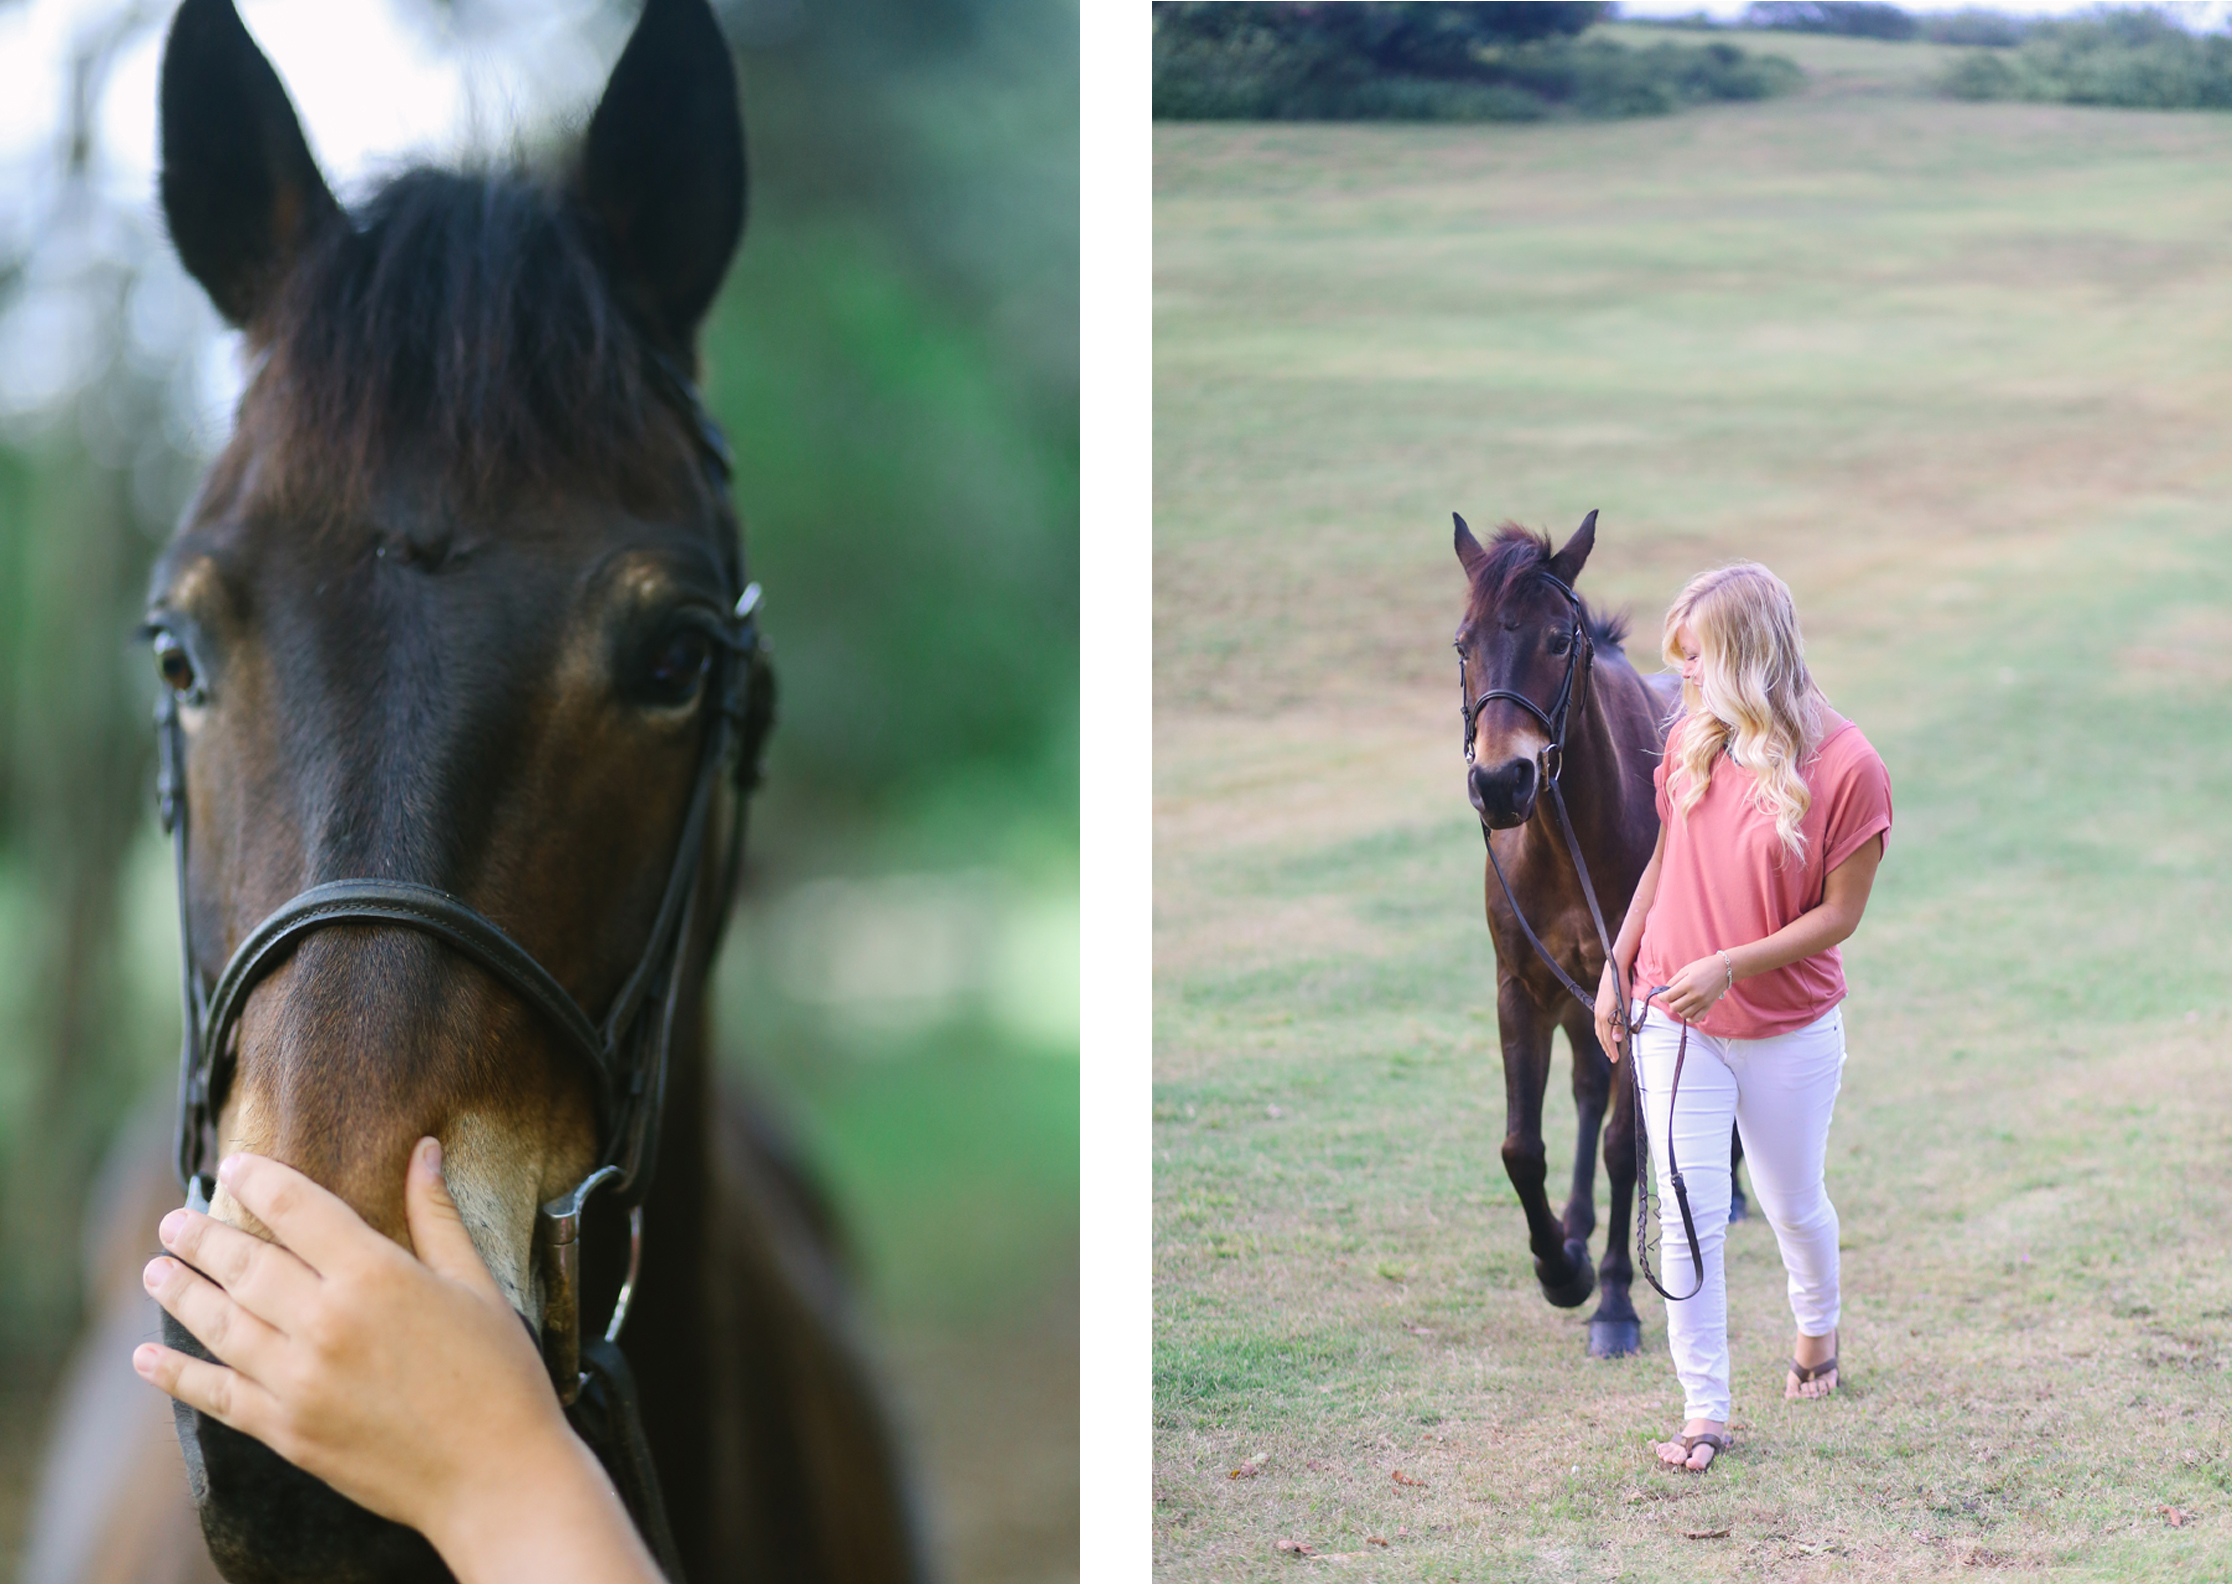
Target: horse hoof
1615,1338
1574,1291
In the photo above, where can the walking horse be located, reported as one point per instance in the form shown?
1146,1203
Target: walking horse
1561,736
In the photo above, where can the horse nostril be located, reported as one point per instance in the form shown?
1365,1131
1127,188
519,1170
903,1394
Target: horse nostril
1504,794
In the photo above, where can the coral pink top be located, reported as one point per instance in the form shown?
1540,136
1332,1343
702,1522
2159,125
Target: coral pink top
1726,880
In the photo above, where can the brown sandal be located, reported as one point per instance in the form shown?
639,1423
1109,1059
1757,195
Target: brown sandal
1807,1374
1690,1443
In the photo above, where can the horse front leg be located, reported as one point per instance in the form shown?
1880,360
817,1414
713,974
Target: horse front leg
1614,1330
1561,1265
1592,1087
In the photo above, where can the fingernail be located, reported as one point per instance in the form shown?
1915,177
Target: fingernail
226,1168
430,1151
157,1269
172,1225
143,1358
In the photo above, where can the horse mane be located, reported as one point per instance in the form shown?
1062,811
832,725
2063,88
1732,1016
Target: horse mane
462,320
1513,555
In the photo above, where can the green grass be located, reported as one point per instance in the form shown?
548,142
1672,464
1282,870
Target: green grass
1958,372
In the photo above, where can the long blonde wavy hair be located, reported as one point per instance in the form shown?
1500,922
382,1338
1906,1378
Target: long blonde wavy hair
1755,700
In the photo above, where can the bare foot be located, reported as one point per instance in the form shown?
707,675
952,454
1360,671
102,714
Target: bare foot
1698,1458
1812,1352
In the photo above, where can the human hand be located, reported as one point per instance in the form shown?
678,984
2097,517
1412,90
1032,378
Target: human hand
1694,990
407,1384
1611,1016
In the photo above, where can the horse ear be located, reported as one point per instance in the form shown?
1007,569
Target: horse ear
1566,565
1469,553
662,170
241,193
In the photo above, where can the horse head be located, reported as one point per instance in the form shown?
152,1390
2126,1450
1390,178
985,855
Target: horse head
1522,657
448,610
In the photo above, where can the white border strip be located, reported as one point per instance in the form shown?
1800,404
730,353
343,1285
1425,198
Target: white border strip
1115,1454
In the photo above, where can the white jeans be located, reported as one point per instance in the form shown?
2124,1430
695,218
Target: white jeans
1780,1093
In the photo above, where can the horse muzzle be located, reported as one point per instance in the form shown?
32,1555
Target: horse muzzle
266,1520
1504,795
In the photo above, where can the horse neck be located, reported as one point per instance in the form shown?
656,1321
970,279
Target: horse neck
669,1341
1598,778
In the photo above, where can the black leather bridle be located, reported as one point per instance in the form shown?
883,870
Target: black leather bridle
1580,668
626,1053
1554,718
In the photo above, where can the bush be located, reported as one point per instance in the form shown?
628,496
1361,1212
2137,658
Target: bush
1400,62
2134,59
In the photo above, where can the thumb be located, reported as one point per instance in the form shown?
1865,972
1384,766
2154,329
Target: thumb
437,1229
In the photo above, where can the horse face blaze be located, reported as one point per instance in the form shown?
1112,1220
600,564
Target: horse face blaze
1503,776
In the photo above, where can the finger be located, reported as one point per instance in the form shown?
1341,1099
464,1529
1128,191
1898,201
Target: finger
321,1230
225,1395
201,1306
437,1229
263,1278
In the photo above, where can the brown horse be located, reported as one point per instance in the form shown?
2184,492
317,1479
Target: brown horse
449,611
1536,664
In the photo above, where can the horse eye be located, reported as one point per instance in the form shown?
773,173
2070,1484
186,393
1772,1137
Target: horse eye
678,670
1560,642
173,664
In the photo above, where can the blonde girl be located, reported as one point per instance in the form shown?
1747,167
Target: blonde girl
1773,814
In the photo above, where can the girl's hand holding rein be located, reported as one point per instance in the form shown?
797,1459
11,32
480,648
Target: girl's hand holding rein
1611,1017
1698,986
407,1384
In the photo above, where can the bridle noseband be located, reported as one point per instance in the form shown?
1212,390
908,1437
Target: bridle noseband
626,1053
1581,661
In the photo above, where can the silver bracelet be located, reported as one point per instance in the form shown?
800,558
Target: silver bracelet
1729,963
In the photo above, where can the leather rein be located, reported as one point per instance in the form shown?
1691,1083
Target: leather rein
1581,666
626,1052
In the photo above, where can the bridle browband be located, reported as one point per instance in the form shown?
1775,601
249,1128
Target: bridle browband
626,1053
1581,663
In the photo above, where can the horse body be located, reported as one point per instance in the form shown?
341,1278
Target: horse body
1518,635
445,612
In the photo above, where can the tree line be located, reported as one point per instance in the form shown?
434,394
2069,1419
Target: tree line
1400,60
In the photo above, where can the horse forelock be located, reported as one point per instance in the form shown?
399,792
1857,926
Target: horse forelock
461,323
1514,555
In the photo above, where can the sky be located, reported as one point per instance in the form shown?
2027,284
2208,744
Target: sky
377,82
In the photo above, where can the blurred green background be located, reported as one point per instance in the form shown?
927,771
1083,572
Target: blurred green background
895,359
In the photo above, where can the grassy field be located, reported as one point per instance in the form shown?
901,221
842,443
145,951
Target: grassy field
1961,373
